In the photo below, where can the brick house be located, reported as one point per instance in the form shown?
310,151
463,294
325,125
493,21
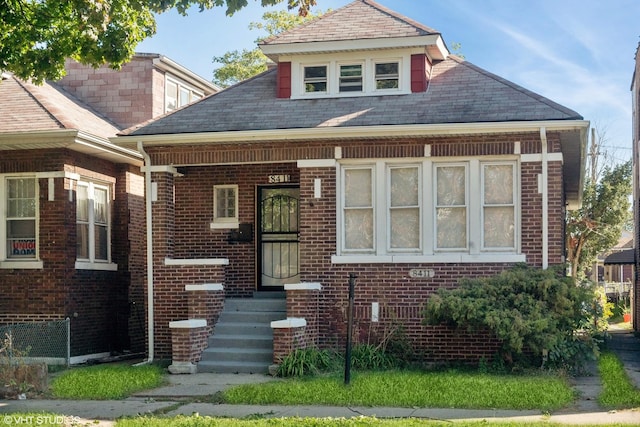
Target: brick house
72,202
367,149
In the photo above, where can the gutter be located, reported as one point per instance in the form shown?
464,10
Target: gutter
545,198
149,223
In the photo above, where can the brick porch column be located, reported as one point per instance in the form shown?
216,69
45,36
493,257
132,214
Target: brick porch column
188,340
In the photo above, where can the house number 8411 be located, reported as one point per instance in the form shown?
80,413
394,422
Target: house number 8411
274,179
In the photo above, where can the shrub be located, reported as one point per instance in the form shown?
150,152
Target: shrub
307,361
526,309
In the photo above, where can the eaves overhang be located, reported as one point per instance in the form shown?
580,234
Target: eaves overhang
432,43
573,140
70,139
165,64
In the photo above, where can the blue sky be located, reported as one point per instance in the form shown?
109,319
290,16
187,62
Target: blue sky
579,53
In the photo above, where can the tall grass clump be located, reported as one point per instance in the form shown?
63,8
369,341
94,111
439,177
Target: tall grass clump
617,390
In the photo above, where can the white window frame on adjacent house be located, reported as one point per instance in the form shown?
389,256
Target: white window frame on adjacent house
93,221
225,219
183,94
26,256
472,249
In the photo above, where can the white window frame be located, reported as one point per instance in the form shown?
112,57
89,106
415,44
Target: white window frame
221,221
514,205
6,261
181,86
428,253
375,75
390,208
434,180
339,78
92,263
314,80
368,67
342,239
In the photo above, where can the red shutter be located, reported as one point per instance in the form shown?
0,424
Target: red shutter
419,68
284,80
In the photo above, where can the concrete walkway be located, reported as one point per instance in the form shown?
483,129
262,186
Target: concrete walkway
191,394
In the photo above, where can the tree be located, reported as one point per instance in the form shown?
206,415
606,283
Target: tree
598,224
240,65
37,36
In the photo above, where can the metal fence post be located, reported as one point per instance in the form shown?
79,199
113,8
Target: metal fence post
347,357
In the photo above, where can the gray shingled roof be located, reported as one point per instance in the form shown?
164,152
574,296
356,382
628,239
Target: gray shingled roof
458,92
28,107
359,20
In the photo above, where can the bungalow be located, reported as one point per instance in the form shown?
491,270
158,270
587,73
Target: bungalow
71,202
368,150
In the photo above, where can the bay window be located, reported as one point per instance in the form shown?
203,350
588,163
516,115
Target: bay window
440,211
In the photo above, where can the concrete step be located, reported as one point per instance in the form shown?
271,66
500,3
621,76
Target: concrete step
233,367
255,304
243,328
251,316
264,356
241,341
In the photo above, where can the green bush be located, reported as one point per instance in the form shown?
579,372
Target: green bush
528,310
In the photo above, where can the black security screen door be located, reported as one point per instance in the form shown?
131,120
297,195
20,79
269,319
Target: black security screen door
278,244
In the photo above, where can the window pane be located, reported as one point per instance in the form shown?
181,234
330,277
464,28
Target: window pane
451,186
498,184
21,238
100,206
452,228
82,203
225,203
184,96
102,243
357,188
405,228
21,201
171,97
404,186
358,229
387,75
315,79
82,241
499,227
351,78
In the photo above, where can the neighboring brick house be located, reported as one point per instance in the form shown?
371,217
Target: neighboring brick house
71,202
368,149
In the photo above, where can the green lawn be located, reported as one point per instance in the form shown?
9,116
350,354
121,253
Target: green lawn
617,390
102,382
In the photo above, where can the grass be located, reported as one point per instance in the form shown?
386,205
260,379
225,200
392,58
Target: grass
103,382
451,389
617,390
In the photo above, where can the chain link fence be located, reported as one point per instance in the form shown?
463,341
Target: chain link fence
37,342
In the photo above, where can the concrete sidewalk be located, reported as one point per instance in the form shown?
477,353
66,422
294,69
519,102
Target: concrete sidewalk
191,394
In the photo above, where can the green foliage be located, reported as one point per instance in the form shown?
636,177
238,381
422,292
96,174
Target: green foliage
37,36
371,357
617,390
598,224
526,309
102,382
308,361
236,66
404,388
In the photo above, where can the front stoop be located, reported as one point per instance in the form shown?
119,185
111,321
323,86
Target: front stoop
242,340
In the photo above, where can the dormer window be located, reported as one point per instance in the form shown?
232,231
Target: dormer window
341,75
350,78
387,75
315,79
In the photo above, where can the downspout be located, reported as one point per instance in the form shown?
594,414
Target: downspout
545,199
149,223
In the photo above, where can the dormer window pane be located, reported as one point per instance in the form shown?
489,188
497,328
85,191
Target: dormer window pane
315,79
351,78
387,75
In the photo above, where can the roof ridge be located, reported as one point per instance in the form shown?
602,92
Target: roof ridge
399,16
531,94
302,25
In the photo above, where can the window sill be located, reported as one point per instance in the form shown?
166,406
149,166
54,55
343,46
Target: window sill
490,258
224,225
22,265
98,266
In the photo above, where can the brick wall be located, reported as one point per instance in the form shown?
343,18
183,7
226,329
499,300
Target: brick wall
125,96
400,297
93,300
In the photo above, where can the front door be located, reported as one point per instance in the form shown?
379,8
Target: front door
278,244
